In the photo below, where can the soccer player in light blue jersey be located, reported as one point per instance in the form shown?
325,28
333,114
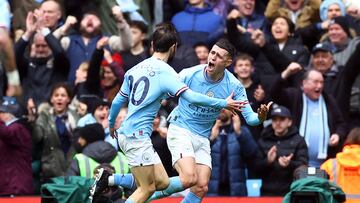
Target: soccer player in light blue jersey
144,86
191,124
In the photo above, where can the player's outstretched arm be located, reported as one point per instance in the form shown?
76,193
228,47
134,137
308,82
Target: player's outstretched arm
116,105
203,100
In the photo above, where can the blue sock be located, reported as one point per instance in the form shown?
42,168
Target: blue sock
124,180
129,201
191,198
174,186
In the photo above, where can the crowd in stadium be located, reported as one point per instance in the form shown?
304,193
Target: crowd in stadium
63,62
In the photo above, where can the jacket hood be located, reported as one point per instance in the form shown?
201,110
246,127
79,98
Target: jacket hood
191,9
350,156
100,151
268,133
324,7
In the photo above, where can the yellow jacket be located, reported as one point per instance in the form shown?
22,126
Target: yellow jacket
344,170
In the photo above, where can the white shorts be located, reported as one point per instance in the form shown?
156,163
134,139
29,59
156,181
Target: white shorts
183,143
139,152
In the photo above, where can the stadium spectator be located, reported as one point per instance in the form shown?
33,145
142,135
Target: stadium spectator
314,113
15,150
282,150
232,146
247,17
244,72
301,12
80,47
45,65
53,134
139,51
202,52
198,23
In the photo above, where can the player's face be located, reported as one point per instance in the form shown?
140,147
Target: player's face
280,125
243,69
60,100
313,85
218,60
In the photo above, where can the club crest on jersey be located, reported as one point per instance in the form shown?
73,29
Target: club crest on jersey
210,94
146,157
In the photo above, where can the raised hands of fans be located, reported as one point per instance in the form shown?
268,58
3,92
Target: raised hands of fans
215,131
107,56
236,124
263,110
292,69
69,23
39,15
102,43
284,161
259,93
258,38
30,24
117,13
113,133
234,105
234,14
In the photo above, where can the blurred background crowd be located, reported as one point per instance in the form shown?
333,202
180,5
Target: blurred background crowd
62,63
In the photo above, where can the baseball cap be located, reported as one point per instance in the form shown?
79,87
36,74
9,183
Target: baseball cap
280,111
322,47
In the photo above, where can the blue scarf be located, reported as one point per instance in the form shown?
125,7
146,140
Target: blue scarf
323,127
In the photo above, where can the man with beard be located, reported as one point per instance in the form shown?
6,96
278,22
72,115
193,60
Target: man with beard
144,86
80,47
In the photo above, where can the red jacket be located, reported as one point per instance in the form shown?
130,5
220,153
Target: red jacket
15,159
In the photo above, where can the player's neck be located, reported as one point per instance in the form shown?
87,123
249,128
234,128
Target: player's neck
161,56
215,77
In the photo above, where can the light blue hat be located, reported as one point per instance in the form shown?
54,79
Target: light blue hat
325,6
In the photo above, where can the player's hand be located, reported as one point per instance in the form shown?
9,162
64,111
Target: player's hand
263,110
234,105
113,133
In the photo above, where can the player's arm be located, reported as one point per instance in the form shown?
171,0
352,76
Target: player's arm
250,116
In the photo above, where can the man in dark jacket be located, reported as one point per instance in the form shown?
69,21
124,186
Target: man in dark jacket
15,152
282,150
44,66
315,113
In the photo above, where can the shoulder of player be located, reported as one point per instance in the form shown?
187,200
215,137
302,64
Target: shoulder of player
230,78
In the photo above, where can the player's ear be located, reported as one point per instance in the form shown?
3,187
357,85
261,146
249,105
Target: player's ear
228,62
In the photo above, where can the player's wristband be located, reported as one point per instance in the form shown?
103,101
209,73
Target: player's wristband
13,77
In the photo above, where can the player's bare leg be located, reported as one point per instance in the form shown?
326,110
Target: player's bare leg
199,190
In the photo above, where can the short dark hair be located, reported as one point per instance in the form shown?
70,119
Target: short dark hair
64,85
291,25
164,37
225,44
139,25
244,57
353,137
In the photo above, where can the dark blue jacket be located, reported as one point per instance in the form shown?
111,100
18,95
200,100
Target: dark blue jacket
239,149
78,52
198,25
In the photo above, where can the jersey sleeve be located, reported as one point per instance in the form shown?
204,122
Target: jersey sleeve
119,101
172,83
250,116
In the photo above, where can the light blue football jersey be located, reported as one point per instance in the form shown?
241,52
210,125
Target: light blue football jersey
199,119
144,86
